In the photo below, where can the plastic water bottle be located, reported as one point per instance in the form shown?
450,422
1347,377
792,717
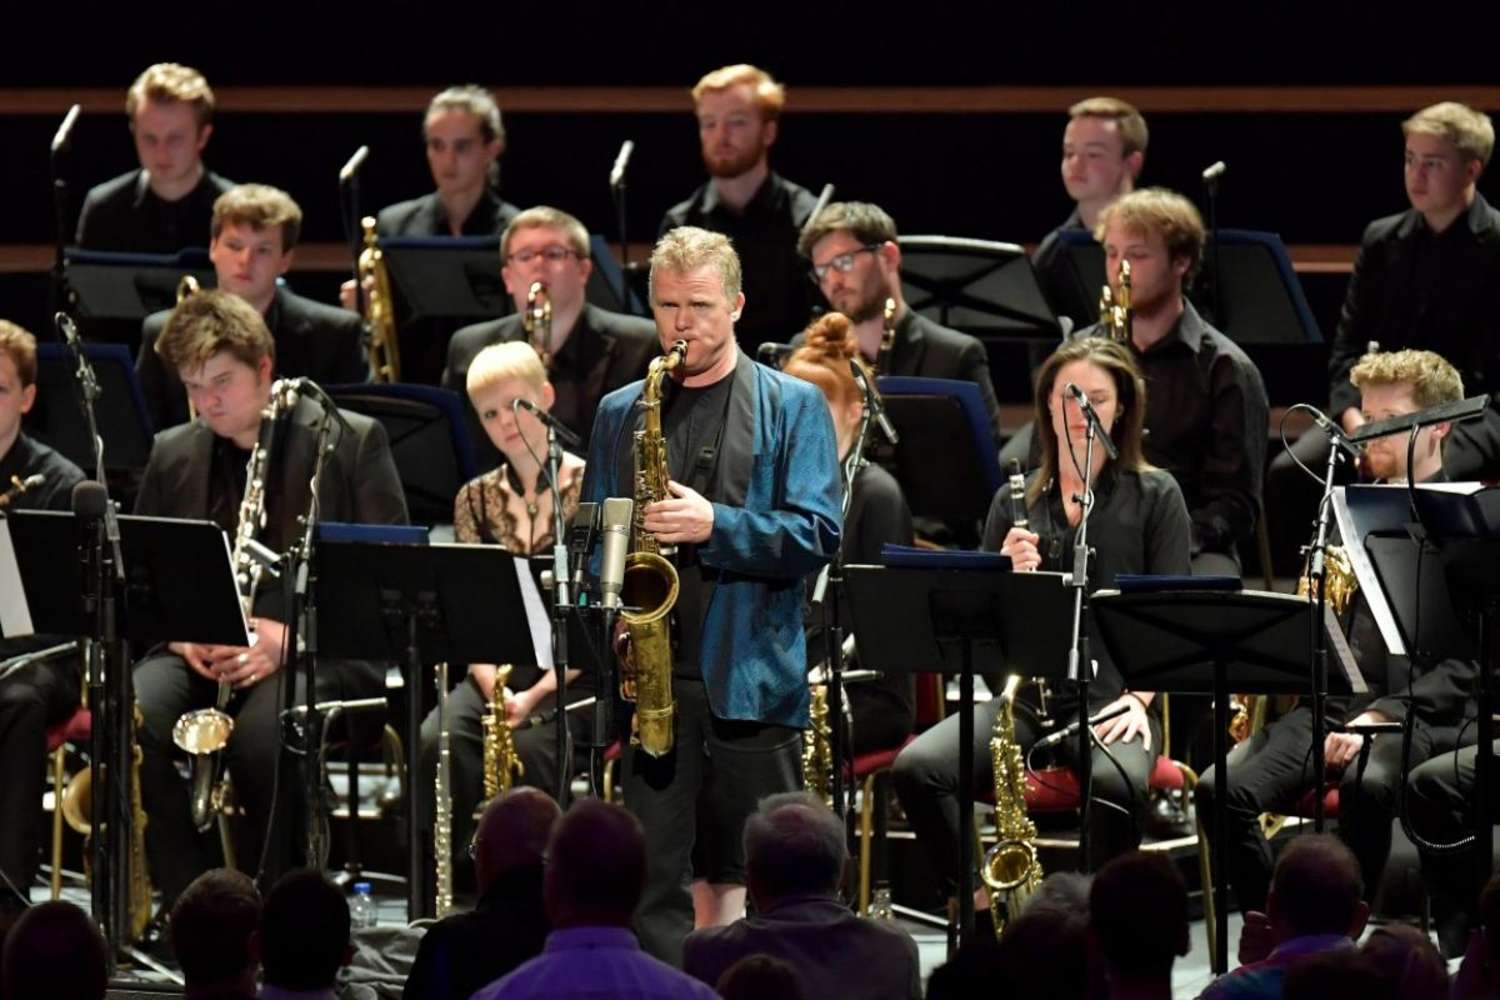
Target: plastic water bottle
363,910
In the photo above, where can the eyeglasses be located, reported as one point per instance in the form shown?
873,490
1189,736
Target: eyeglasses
843,263
552,255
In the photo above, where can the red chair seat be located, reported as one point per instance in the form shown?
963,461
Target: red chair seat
876,760
613,752
74,729
1055,789
1306,804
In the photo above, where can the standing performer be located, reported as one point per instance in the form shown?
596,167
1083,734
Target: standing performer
883,710
510,506
223,353
739,118
1139,525
753,509
165,204
46,692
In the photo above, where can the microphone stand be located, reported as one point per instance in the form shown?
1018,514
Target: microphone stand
617,195
561,608
1080,665
1318,640
60,144
1211,178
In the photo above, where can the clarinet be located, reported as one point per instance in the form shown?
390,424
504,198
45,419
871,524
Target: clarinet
1016,484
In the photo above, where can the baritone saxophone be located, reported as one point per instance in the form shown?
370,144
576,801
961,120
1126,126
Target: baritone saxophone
649,591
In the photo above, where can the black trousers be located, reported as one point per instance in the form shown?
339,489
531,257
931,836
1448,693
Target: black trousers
696,799
926,781
32,699
1441,807
1272,770
535,747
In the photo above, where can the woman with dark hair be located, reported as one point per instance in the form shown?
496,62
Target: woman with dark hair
1138,524
882,709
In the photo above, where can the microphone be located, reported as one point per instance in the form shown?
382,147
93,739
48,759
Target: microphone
556,425
90,499
770,353
69,330
1212,173
622,160
1082,399
581,531
824,197
872,403
347,172
1334,431
1057,736
304,386
65,130
617,516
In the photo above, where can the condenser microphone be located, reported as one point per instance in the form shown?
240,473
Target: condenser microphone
1082,399
616,519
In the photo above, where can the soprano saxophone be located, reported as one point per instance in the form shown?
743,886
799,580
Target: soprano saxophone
502,765
537,322
649,591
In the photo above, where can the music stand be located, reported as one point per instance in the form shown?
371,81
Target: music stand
1193,642
606,281
985,617
947,460
419,605
123,422
131,286
455,278
980,287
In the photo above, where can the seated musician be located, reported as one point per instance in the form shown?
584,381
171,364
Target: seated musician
251,241
1272,770
221,350
882,710
857,264
509,506
1139,525
46,692
163,205
590,351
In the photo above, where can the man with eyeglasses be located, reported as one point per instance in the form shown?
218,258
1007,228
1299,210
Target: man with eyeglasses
739,117
592,351
857,265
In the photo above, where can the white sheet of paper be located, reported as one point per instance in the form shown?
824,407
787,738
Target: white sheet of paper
536,614
15,613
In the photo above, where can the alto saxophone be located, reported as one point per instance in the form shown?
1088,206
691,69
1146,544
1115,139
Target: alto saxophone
1010,870
380,309
649,590
887,339
817,748
204,732
502,766
537,322
1115,309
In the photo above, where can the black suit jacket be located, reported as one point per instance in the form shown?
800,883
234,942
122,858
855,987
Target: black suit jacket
605,351
463,953
313,340
123,214
425,216
926,350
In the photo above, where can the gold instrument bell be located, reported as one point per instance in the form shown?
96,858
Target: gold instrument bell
1115,308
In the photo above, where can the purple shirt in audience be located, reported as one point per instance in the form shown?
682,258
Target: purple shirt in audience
596,962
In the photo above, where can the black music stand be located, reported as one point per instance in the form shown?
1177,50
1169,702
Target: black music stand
131,286
1214,642
984,617
947,460
419,605
981,287
453,278
123,421
607,280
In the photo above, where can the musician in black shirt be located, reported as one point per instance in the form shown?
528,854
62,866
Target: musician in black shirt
47,691
1139,524
165,204
739,110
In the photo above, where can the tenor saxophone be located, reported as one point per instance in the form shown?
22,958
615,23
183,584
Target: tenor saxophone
502,766
1115,308
537,322
649,590
1010,870
380,309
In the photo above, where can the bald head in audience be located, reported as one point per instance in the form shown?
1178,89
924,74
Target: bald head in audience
513,834
1317,889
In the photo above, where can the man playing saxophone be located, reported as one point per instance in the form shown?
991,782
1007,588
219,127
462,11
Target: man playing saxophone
754,507
221,350
1139,524
46,691
1272,770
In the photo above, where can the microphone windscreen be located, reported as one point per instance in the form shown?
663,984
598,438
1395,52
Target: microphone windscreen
90,499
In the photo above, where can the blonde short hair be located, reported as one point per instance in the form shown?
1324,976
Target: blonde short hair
547,217
1432,379
1128,121
1161,211
260,207
770,96
167,82
18,342
1469,130
502,362
688,248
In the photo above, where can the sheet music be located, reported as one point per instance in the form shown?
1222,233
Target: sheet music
15,613
1385,508
538,619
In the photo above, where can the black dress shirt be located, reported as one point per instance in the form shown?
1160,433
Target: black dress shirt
426,216
125,215
779,293
1206,420
1413,288
28,457
1139,525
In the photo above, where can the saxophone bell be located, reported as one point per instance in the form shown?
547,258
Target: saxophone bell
1010,869
1115,310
